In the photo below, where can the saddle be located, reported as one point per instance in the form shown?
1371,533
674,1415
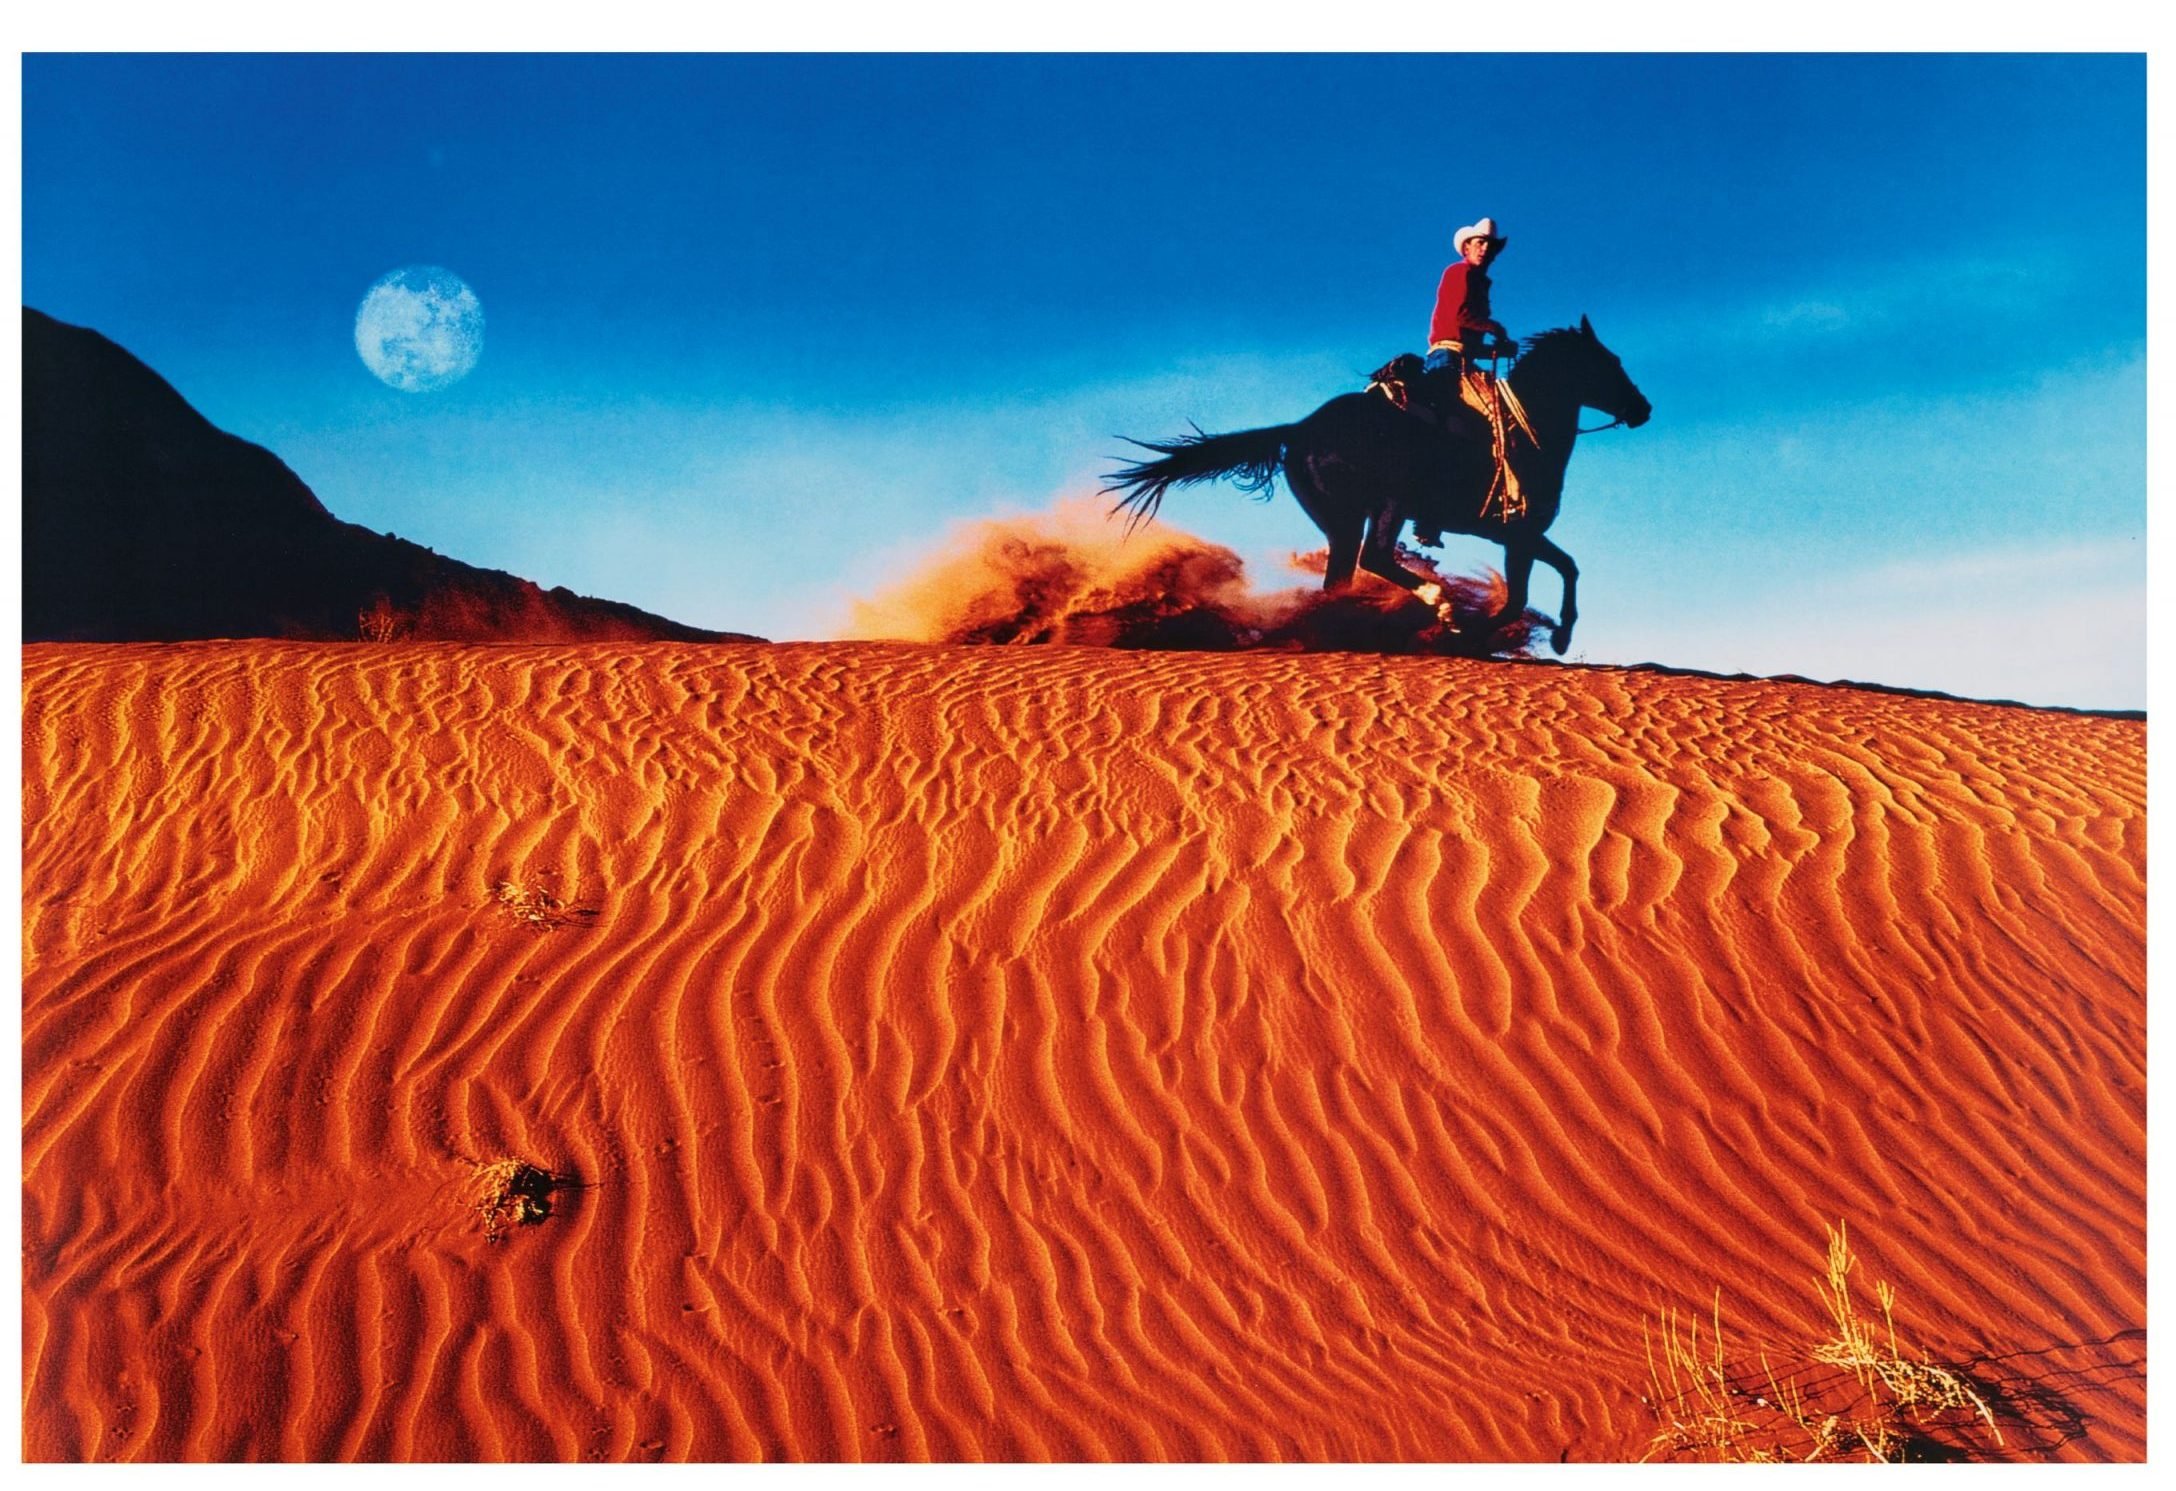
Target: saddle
1436,398
1432,397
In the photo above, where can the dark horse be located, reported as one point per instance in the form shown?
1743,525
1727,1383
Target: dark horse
1361,467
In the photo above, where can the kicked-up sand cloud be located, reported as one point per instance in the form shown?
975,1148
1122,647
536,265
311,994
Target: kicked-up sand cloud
1074,575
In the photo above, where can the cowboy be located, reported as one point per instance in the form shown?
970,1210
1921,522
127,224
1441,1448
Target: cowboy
1458,333
1462,321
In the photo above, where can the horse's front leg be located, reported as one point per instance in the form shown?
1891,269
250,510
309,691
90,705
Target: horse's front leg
1518,575
1561,636
1379,556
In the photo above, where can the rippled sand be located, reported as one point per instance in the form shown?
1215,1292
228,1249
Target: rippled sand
1048,1053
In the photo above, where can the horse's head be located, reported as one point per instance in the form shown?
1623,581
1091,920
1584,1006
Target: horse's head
1575,360
1609,389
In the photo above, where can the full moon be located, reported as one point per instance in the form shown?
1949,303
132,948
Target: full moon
420,328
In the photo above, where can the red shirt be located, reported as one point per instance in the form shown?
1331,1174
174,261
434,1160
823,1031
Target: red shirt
1461,306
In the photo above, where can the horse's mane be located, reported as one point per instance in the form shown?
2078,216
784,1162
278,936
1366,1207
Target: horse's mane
1540,339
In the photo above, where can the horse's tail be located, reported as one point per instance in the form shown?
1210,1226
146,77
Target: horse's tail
1251,458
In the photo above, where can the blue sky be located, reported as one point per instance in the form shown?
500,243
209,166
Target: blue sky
761,327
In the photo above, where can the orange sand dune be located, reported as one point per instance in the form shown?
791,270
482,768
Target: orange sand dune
1049,1053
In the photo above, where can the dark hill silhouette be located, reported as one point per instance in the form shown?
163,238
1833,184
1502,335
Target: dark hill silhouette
142,522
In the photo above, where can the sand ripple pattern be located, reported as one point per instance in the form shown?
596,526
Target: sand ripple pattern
1046,1053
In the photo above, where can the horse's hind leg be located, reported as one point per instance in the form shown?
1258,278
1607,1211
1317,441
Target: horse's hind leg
1343,528
1379,556
1344,557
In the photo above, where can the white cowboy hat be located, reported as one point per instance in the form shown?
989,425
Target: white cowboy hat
1486,228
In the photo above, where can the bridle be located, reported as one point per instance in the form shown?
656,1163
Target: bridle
1577,430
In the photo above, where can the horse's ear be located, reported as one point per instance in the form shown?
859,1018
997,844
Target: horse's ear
1585,329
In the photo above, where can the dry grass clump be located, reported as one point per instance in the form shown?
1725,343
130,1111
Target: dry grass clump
1914,1386
528,899
1881,1406
509,1192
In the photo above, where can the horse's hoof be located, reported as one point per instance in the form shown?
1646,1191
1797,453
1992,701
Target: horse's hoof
1560,637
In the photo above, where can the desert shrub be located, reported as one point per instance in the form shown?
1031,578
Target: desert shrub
381,622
